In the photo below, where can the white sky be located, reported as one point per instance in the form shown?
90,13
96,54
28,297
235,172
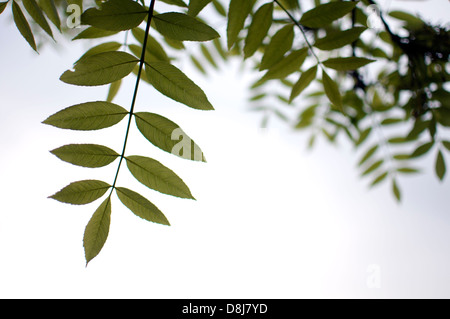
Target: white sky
271,220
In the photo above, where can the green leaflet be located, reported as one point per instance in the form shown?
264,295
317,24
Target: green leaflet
113,90
164,134
94,33
101,48
324,14
422,149
100,69
173,83
338,39
368,154
281,42
372,167
289,64
331,90
412,21
22,25
3,6
379,179
195,6
97,230
88,116
86,155
36,13
115,15
305,79
179,3
49,7
182,27
440,165
344,64
153,49
82,192
260,25
156,176
396,190
141,206
237,13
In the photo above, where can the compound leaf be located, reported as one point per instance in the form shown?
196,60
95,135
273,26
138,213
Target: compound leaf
86,155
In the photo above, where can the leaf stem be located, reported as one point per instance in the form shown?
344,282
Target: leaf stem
136,88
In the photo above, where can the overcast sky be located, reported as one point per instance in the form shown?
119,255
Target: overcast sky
271,219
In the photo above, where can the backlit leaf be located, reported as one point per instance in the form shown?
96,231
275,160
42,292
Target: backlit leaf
36,13
82,192
100,69
372,167
379,179
115,15
86,155
103,47
49,7
422,149
396,190
154,50
141,206
182,27
97,230
331,90
289,64
94,33
195,6
156,176
281,42
338,39
260,25
305,79
22,25
113,90
344,64
368,154
324,14
164,134
88,116
237,13
440,165
174,84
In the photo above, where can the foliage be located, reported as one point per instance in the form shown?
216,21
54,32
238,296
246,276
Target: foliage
324,69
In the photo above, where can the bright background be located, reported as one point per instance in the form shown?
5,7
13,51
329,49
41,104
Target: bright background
271,220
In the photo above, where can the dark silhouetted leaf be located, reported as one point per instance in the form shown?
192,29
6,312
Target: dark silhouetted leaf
195,6
324,14
36,13
440,165
345,64
338,39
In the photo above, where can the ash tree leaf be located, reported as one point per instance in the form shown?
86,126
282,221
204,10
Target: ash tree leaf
344,64
22,25
49,7
141,206
195,6
3,6
182,27
238,12
260,25
101,48
156,176
153,49
88,116
97,230
440,165
280,43
81,192
159,131
421,150
115,15
446,144
396,190
174,84
36,13
372,167
86,155
113,90
102,68
179,3
331,90
288,65
94,33
305,79
324,14
368,154
408,170
338,39
379,179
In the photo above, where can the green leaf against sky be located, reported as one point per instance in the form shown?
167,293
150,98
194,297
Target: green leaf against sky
141,206
115,15
179,3
440,168
324,14
347,63
49,7
195,6
280,43
289,64
331,90
238,12
182,27
305,79
174,84
99,69
158,130
259,27
101,48
156,176
338,39
36,13
88,116
97,230
86,155
94,33
22,25
3,6
81,192
154,50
